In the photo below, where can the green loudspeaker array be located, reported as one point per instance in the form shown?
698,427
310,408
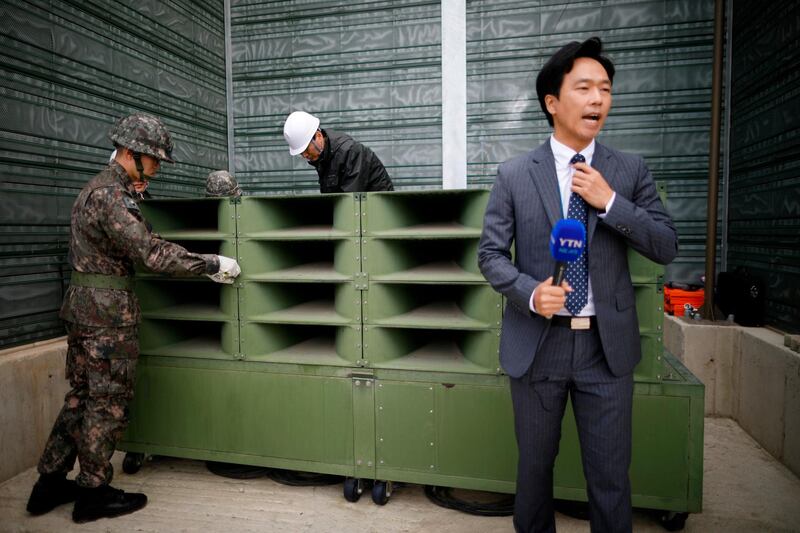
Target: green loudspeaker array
650,311
190,317
648,284
300,256
427,306
362,340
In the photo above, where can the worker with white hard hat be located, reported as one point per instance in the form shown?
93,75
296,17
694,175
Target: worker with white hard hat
342,163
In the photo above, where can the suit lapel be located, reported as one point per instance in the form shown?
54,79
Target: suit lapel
543,174
604,164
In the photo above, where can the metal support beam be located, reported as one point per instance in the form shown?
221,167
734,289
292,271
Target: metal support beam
713,159
229,85
454,94
726,138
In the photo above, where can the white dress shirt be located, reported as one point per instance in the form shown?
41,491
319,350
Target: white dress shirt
564,171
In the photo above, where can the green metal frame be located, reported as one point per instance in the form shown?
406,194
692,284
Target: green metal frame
362,340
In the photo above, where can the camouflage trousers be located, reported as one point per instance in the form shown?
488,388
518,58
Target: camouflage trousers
101,368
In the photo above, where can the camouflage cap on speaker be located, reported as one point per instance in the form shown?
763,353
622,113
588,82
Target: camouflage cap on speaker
221,183
144,134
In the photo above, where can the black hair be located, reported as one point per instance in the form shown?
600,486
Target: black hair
552,74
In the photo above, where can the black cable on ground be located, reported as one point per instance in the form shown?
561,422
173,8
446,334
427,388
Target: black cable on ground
235,471
500,505
302,479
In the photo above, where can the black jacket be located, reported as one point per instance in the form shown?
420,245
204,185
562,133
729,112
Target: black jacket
346,165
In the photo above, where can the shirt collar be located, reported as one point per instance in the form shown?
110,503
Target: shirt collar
123,177
563,153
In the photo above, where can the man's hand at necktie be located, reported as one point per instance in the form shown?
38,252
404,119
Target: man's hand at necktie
591,186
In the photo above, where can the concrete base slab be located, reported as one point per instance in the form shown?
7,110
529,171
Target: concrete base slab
745,490
712,354
762,387
791,432
32,390
750,375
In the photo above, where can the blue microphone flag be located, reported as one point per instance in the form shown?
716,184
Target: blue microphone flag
567,240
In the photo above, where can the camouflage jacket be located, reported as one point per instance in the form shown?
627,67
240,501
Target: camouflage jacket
109,236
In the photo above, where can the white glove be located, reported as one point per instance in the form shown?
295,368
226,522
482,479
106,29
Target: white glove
228,270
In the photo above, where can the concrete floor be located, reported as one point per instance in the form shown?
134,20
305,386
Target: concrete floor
745,490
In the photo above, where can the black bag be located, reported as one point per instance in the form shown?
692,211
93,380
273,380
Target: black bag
741,294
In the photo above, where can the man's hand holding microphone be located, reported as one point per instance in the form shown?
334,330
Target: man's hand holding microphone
567,242
228,270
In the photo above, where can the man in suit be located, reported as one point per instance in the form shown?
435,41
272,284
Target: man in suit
580,338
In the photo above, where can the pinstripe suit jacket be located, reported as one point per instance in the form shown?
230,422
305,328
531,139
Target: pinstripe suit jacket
524,206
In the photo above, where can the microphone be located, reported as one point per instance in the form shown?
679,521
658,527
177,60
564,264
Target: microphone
567,241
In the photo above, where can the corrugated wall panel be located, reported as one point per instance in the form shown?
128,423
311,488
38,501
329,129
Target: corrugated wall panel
662,92
764,214
372,69
369,69
68,69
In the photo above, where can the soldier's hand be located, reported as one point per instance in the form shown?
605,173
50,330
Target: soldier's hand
228,270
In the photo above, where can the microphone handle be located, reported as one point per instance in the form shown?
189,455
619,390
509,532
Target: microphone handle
560,271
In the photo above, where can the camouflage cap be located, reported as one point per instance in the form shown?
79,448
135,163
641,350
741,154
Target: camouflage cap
144,134
222,183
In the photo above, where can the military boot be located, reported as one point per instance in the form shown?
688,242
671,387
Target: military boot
105,502
50,491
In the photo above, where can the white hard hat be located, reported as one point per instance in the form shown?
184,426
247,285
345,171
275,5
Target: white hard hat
298,130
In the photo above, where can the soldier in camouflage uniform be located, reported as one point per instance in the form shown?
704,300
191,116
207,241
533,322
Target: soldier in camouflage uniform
109,236
222,183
